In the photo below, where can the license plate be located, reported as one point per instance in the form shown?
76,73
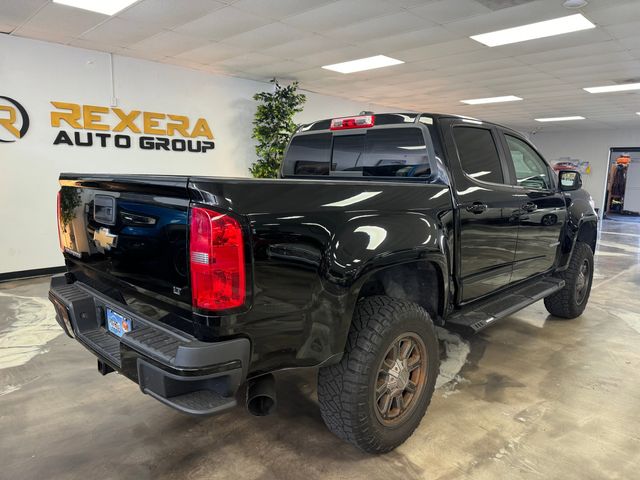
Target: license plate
118,324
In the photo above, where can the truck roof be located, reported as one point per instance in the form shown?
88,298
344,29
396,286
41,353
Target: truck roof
393,118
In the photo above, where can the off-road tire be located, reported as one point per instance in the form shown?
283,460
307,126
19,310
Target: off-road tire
567,303
346,390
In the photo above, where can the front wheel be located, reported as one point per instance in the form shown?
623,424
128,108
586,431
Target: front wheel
571,301
378,393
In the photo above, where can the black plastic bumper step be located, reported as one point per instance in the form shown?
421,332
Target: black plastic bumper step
479,315
200,402
103,343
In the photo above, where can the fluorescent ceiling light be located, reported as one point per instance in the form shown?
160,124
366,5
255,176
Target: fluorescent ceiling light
361,64
548,28
107,7
559,119
478,101
613,88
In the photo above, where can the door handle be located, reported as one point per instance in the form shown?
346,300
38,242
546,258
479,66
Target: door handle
529,207
476,207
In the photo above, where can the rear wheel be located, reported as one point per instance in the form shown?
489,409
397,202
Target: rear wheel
571,301
377,395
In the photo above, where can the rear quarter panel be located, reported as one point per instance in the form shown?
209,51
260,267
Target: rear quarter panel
314,243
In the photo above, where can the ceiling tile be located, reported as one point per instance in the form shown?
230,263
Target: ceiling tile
379,27
211,53
119,32
266,36
407,40
597,62
169,13
168,44
278,9
436,50
247,61
307,45
223,23
630,43
337,55
613,12
92,45
567,53
447,11
314,75
71,21
278,69
44,34
15,12
623,29
340,14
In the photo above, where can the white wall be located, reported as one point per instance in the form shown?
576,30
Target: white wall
592,146
35,73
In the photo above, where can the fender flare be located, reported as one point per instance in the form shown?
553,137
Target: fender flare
566,256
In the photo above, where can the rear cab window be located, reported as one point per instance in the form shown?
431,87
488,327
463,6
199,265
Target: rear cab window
391,152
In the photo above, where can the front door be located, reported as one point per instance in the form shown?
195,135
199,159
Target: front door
487,208
542,212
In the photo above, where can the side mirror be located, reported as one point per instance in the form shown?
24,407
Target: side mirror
569,180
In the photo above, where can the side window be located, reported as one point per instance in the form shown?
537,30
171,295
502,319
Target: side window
478,153
308,155
531,171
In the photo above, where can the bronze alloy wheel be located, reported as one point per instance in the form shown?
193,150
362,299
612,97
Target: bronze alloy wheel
401,377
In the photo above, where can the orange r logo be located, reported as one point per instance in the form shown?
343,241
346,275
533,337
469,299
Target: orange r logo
13,119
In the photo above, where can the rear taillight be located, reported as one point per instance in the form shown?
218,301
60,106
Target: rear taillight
217,260
361,121
59,224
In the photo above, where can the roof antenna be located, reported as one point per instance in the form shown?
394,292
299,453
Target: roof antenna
365,112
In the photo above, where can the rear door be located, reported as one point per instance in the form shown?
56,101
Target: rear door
487,207
542,211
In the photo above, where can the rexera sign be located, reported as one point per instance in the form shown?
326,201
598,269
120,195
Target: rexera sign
94,125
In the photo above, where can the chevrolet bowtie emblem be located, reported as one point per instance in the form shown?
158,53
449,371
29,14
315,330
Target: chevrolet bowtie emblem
104,238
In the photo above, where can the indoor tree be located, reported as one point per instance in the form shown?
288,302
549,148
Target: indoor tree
273,126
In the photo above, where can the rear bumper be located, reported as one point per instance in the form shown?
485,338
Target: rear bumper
194,377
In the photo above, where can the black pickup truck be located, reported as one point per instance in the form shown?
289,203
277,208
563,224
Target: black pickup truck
380,227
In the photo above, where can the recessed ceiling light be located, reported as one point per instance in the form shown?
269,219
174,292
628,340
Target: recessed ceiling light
478,101
361,64
613,88
548,28
559,119
110,7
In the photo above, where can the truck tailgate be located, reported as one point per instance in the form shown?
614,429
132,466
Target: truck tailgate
128,231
